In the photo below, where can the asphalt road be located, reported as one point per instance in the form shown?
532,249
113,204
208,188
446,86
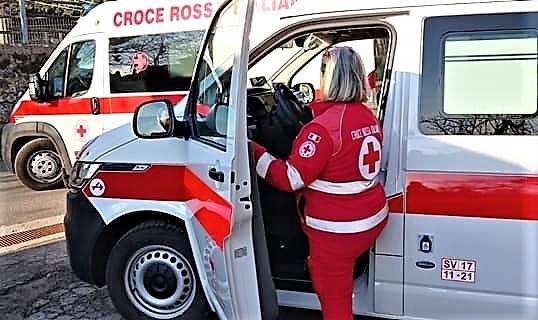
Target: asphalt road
19,204
37,283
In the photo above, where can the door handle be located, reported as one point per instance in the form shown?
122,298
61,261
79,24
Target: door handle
96,106
216,175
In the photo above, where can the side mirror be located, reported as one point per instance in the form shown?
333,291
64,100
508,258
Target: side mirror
154,120
306,92
37,87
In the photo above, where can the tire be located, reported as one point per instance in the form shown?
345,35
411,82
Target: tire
153,260
39,166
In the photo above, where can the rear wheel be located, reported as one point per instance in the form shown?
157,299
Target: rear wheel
39,166
151,275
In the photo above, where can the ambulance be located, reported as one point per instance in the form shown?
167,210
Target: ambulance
121,54
169,213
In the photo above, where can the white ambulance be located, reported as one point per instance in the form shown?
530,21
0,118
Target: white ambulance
169,212
121,54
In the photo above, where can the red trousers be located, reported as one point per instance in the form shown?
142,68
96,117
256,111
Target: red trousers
331,263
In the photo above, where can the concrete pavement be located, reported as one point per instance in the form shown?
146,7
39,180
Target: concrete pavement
19,205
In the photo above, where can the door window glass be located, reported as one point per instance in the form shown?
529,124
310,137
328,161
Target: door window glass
153,63
81,66
56,75
214,78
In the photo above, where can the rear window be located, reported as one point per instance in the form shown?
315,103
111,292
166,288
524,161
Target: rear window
153,63
480,75
490,73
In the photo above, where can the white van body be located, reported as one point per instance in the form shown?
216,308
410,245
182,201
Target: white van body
457,102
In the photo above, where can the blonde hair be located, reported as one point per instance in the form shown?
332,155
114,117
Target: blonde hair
344,76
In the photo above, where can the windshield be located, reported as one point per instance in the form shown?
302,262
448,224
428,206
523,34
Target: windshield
273,61
297,51
215,71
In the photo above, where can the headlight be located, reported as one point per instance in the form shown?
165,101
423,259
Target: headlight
81,173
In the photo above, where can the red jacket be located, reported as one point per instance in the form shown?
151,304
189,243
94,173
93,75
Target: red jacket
335,161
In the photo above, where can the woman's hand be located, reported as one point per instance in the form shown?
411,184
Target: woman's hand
258,150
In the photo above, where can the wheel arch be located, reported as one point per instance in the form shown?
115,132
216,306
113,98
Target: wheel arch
116,229
23,133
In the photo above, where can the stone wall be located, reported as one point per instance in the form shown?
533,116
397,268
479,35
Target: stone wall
16,64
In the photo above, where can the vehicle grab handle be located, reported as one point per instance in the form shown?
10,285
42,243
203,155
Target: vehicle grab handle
216,175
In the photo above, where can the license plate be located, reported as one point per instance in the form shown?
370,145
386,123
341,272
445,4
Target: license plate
458,270
460,276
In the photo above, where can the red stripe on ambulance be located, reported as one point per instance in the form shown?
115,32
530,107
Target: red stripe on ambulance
171,183
70,106
476,196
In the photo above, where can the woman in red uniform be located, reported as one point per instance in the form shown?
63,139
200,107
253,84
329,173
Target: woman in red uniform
334,167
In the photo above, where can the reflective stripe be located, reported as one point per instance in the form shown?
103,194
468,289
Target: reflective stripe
348,227
263,164
296,182
344,188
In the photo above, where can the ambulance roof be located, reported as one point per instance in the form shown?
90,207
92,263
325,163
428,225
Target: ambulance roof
320,7
133,17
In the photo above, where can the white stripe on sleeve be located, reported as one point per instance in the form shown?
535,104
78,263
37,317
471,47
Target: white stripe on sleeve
263,164
296,181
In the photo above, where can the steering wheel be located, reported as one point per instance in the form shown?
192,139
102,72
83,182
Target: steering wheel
291,112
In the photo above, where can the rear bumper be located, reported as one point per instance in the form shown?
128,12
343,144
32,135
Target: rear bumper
6,141
83,228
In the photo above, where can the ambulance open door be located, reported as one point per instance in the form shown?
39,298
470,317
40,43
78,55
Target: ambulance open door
221,230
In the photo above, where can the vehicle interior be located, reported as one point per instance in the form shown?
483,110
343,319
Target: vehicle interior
277,107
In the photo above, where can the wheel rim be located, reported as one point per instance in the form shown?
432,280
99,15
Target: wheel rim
160,282
44,166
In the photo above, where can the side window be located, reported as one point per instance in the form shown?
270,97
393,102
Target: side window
478,81
81,65
153,63
56,75
490,73
373,52
213,81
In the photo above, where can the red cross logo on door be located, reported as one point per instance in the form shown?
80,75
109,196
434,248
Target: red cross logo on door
370,158
82,130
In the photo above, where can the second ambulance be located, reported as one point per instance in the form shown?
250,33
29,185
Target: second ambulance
119,55
169,213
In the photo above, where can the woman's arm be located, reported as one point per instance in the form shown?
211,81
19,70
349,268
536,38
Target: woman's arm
310,153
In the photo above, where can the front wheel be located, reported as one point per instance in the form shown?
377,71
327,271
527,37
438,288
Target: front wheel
151,274
39,166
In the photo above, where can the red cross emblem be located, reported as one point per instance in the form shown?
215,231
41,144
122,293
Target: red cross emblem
81,131
370,157
307,149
